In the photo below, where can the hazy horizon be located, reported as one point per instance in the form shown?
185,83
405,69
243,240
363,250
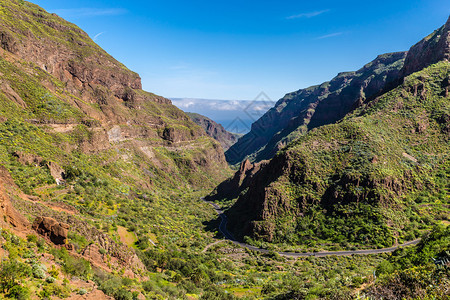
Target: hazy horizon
234,115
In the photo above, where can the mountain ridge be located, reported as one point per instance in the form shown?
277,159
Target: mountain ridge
344,169
308,108
215,130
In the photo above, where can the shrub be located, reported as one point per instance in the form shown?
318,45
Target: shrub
73,265
82,292
215,293
32,238
39,271
11,272
18,292
50,290
123,294
54,272
50,279
385,267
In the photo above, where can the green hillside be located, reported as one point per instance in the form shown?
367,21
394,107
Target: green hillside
378,176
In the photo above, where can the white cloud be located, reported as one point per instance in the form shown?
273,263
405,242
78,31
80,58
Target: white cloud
329,35
308,14
97,36
221,105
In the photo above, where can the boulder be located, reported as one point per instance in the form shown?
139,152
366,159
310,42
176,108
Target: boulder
52,229
56,171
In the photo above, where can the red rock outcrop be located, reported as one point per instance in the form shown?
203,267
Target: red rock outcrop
8,214
53,230
232,187
430,50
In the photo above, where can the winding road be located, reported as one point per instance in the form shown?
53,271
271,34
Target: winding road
228,236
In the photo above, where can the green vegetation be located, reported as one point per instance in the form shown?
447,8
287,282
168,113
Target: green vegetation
125,170
418,271
378,176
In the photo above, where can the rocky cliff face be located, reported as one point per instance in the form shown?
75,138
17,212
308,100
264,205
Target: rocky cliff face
362,179
430,50
242,179
8,214
214,130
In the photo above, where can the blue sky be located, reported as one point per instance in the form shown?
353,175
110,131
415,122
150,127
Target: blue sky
237,49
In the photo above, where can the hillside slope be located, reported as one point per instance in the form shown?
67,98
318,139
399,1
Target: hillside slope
378,175
89,101
87,156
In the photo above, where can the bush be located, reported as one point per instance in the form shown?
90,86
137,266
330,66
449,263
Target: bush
82,292
32,238
215,293
39,271
268,288
50,279
18,292
11,272
385,267
53,272
123,294
50,290
72,265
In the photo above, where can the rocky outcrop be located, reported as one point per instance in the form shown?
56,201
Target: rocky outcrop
56,171
430,50
53,230
99,258
242,179
28,158
8,214
305,109
214,130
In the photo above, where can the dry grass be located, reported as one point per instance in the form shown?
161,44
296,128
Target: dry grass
126,237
